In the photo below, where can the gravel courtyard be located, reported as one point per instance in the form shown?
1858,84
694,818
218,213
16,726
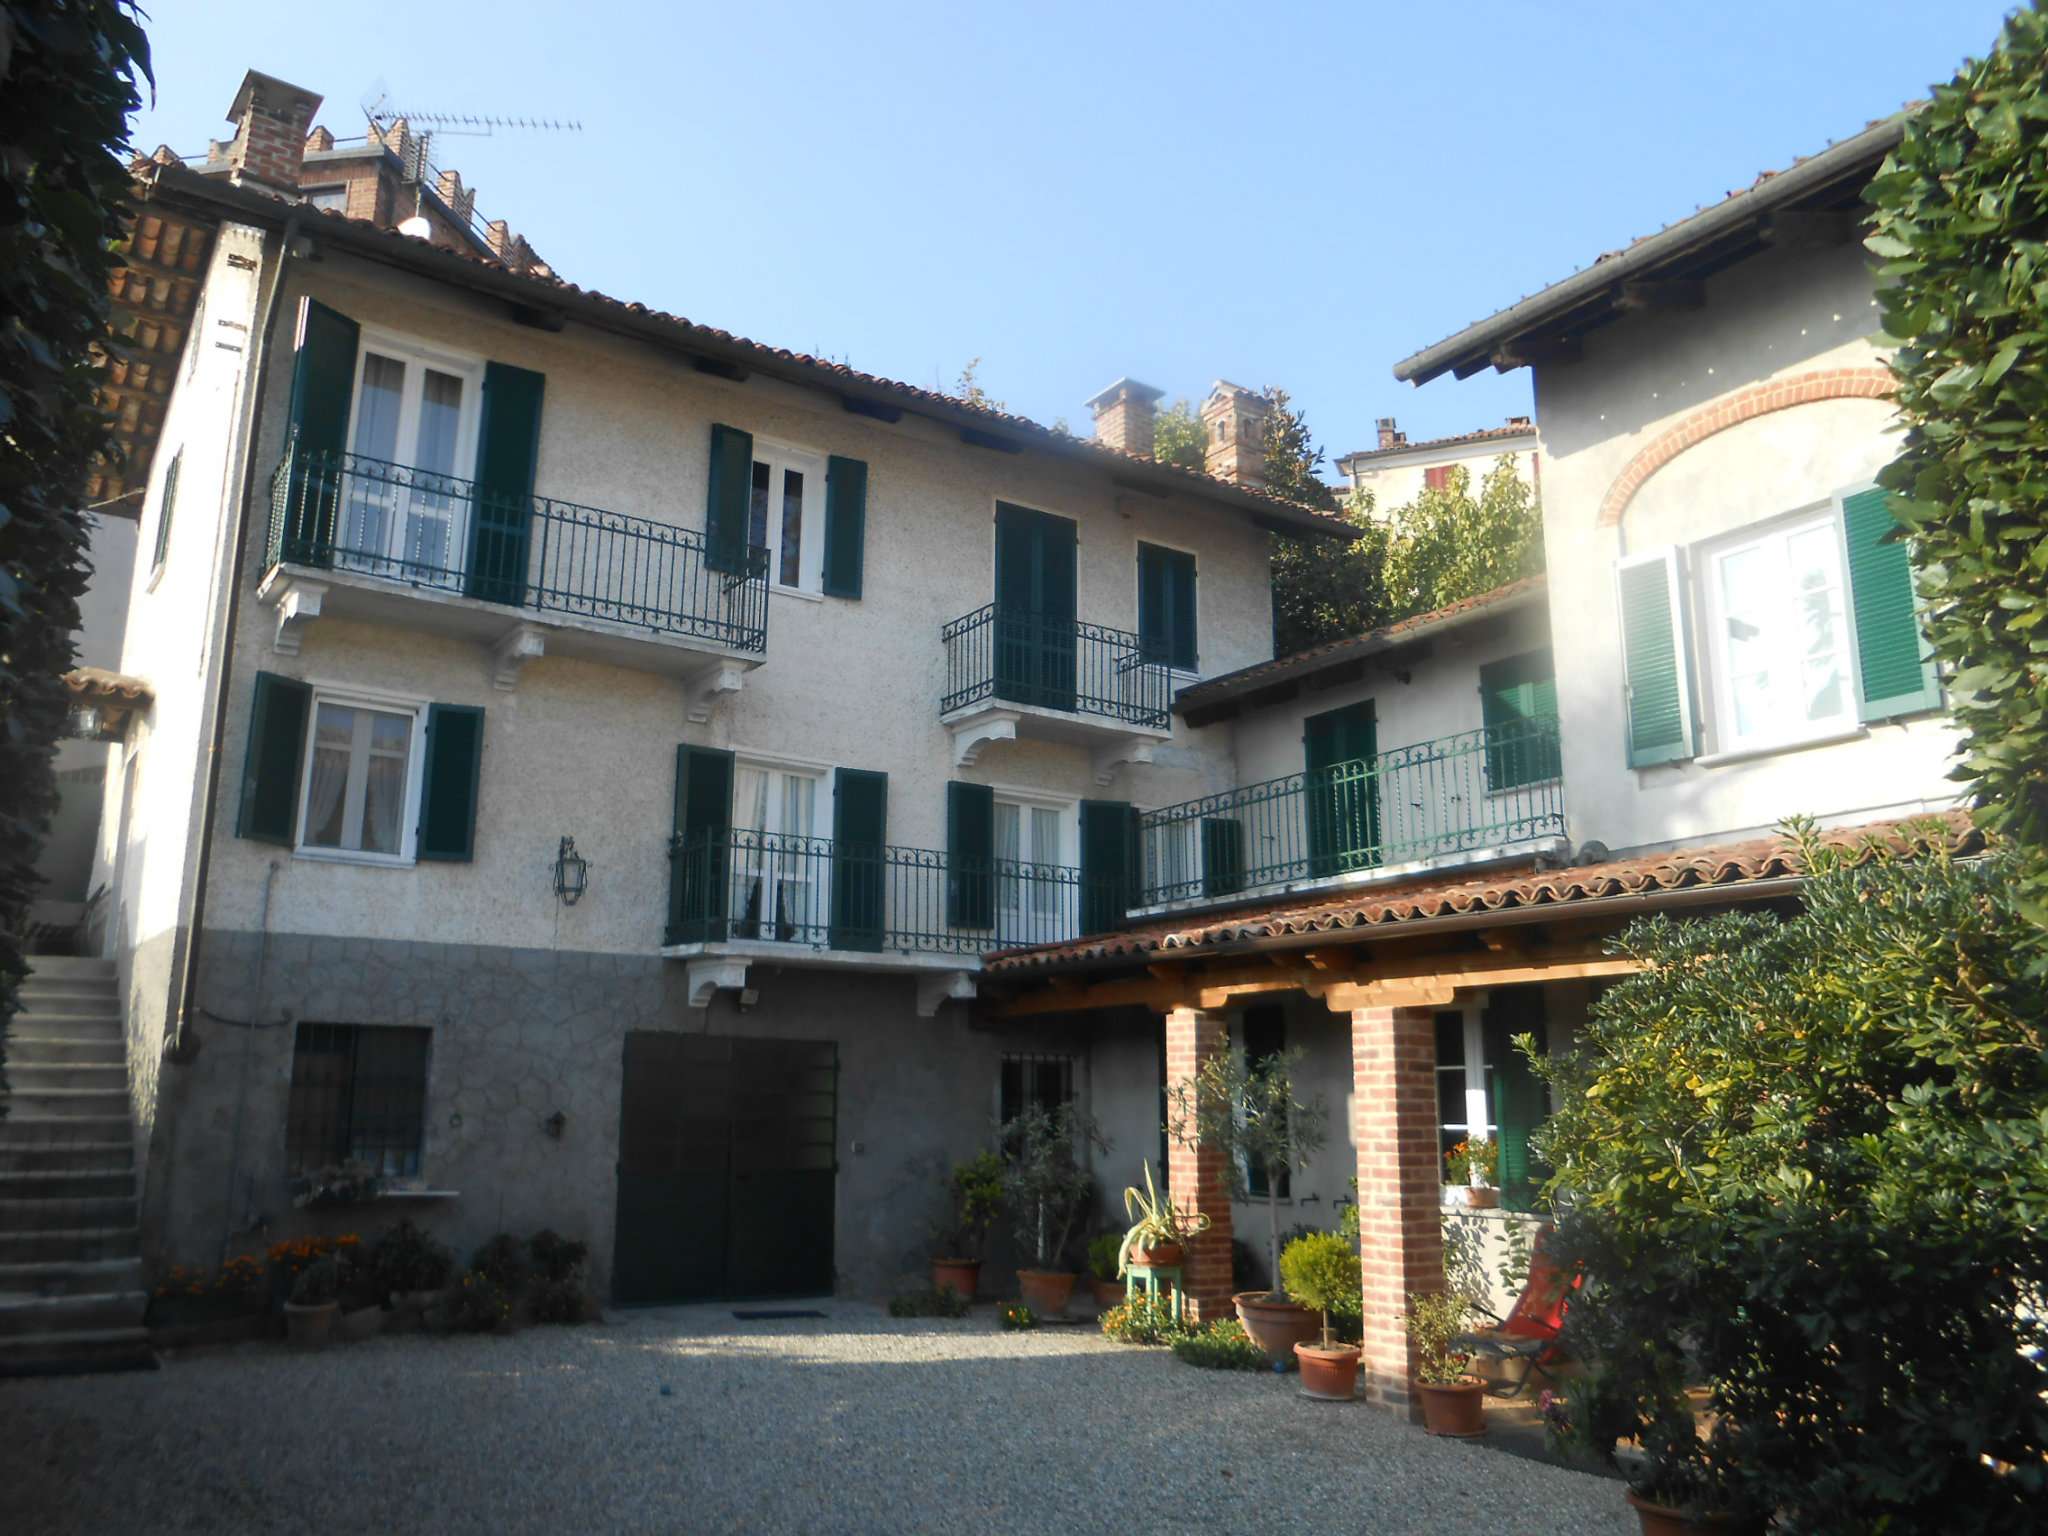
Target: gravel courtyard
685,1420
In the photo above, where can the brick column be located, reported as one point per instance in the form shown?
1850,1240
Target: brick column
1196,1179
1400,1225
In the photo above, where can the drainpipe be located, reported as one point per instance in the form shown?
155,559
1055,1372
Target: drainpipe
183,1045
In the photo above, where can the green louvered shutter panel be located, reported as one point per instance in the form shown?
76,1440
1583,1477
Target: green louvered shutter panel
1109,863
273,760
846,522
725,511
700,849
970,855
323,375
166,504
1180,591
1895,675
507,453
860,828
449,782
1222,856
1520,1105
1166,606
1654,660
1518,706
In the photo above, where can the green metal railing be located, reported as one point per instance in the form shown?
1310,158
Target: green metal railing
1063,664
818,893
1456,794
445,534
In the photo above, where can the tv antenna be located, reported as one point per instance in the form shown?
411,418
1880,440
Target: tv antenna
415,163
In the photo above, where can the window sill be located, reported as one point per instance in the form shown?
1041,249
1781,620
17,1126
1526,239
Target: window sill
343,856
1778,748
796,592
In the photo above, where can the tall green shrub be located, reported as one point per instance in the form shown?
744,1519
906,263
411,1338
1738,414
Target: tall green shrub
1962,226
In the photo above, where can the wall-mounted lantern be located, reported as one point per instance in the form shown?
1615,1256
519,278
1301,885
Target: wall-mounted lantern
572,873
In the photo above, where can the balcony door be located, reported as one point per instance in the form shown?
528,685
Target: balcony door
405,510
1034,609
777,890
1341,794
1037,901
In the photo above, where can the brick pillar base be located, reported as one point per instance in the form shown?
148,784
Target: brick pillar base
1400,1228
1196,1179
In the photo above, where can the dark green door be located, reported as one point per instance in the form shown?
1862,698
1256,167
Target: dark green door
1341,795
726,1168
1035,656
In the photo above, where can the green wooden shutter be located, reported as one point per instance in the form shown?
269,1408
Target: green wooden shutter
1166,606
1341,750
860,828
1520,1104
507,452
1109,863
1222,856
273,760
1653,653
846,521
1894,669
166,503
725,513
1518,706
323,378
970,855
700,850
448,789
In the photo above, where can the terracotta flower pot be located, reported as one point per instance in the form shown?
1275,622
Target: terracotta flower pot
1482,1197
1045,1291
1165,1256
958,1275
310,1325
1457,1410
1276,1324
1664,1520
363,1323
1329,1375
1108,1293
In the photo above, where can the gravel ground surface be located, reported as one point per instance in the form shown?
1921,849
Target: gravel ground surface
685,1420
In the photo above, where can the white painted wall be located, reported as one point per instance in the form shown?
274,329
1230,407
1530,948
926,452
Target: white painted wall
1395,483
1781,313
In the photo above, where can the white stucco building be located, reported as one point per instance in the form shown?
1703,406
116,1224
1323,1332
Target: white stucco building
1397,471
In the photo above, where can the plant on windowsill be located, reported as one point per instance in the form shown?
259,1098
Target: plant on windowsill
1159,1233
1471,1166
1321,1270
1047,1183
315,1299
975,1192
1251,1116
351,1182
1452,1401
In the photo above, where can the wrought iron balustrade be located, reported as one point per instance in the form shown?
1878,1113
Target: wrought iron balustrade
1454,795
997,654
437,532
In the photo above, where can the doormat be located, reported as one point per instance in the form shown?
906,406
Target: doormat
773,1314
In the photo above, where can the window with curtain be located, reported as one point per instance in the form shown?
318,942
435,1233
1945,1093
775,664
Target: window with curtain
779,864
361,768
1778,634
405,510
785,514
1036,894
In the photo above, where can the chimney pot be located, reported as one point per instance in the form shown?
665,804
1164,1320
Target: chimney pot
1389,438
271,117
1126,415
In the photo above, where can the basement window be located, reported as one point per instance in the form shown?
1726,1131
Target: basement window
359,1093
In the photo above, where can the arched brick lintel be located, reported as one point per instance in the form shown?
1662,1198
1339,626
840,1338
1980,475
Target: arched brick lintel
1744,405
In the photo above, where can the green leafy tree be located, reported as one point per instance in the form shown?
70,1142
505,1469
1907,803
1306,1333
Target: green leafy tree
68,80
1448,544
1804,1162
1293,461
968,387
1324,589
1961,206
1178,436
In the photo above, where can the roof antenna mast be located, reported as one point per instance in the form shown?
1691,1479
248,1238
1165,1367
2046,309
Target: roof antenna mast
423,126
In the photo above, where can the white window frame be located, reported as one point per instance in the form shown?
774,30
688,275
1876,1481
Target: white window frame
1707,560
1478,1101
1066,924
780,456
417,356
415,763
766,865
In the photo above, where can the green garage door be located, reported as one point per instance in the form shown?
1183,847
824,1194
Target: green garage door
726,1168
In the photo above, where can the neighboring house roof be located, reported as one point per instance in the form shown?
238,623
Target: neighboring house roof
99,683
1830,182
1200,702
1752,868
548,299
1438,444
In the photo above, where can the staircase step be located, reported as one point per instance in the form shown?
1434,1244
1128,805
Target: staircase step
97,1024
66,1183
37,985
21,1128
70,1277
62,1354
71,1244
67,1103
56,1047
39,1076
84,1313
70,1005
66,1156
17,1215
71,965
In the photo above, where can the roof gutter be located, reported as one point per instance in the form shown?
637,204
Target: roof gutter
1731,213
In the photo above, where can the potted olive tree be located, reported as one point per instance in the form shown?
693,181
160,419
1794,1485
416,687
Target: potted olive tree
1250,1114
1322,1270
975,1195
1046,1183
1452,1403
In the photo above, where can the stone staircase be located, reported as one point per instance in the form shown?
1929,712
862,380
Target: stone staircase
71,1289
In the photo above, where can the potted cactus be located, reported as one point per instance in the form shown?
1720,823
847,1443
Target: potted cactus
975,1195
1452,1397
1322,1271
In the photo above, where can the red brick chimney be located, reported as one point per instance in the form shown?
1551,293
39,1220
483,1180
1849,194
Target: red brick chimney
1126,415
271,117
1389,436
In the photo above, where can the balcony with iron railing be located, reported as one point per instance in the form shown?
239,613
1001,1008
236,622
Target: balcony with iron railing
530,575
1468,798
1013,674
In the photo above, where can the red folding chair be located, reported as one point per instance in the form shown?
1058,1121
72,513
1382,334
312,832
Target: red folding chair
1528,1334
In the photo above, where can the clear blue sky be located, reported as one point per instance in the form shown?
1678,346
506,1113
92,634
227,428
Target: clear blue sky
1283,194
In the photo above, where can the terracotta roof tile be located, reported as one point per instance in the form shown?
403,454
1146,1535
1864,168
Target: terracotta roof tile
1730,865
1456,439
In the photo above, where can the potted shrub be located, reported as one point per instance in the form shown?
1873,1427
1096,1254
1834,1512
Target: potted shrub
315,1299
1252,1117
976,1192
1471,1166
1102,1250
361,1294
1452,1398
411,1268
1159,1233
1046,1183
556,1293
1321,1270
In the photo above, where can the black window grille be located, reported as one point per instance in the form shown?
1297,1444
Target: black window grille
359,1093
1040,1082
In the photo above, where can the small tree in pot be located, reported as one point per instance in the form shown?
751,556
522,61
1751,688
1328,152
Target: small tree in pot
1250,1114
1047,1183
975,1199
1322,1270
